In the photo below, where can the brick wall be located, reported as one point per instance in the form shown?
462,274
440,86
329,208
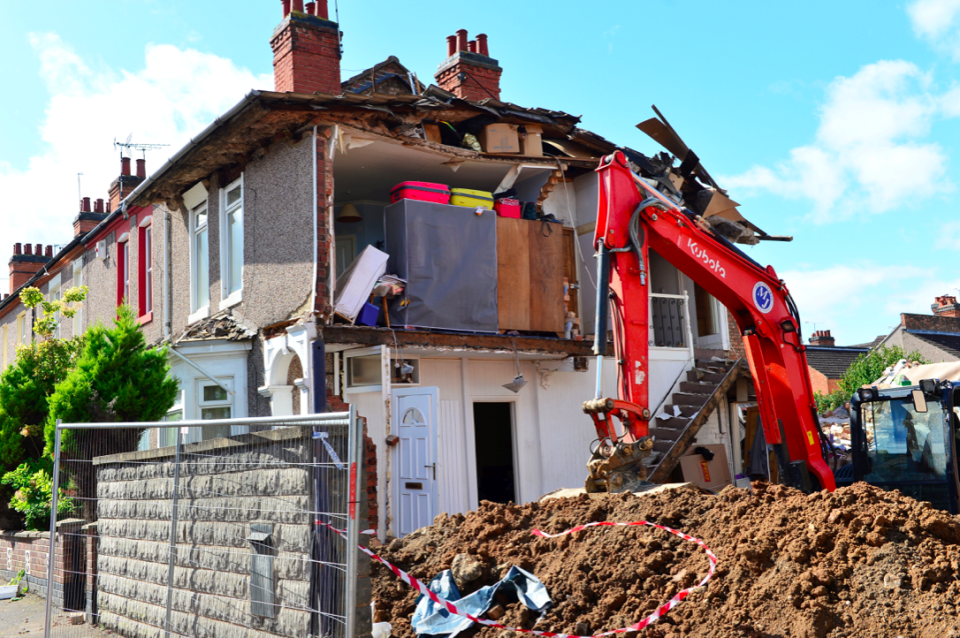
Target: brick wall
930,322
29,551
819,381
336,404
227,486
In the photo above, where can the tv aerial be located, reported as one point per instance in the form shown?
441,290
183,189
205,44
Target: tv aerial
130,146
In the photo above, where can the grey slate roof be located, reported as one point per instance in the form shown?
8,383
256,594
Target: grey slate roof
949,343
832,362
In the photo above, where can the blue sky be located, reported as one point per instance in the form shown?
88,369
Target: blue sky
837,123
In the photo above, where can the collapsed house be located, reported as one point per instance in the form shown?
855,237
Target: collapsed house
273,256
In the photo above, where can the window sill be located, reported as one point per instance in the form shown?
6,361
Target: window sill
232,300
146,318
203,313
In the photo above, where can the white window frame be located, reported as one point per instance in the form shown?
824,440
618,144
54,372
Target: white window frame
55,293
198,312
123,262
77,282
23,329
227,249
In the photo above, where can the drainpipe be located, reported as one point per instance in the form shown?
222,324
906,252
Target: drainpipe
313,291
319,377
167,279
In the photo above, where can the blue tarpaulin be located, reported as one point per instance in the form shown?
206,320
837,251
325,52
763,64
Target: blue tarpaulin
430,619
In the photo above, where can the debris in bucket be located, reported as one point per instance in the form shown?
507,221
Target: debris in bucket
856,562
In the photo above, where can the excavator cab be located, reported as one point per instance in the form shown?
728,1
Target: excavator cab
905,438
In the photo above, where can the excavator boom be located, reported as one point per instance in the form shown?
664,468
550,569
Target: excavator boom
634,218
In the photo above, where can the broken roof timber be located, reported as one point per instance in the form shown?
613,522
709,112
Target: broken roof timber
363,336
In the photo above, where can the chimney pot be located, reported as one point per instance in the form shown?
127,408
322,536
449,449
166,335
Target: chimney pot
107,210
124,165
322,11
85,205
98,206
310,8
17,249
48,252
472,46
28,249
451,45
482,45
306,54
38,250
461,39
142,168
286,7
297,5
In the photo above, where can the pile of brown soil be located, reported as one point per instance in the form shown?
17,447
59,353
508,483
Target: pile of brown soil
857,562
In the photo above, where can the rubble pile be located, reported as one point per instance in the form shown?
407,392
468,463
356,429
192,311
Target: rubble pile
856,562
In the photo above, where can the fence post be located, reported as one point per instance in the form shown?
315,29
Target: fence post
52,555
173,534
353,520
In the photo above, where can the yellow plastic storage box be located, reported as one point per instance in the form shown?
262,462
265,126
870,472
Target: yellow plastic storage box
471,198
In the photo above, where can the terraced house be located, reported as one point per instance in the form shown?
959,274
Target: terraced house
256,249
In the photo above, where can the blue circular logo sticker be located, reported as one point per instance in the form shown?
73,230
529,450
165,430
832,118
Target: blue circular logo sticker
762,297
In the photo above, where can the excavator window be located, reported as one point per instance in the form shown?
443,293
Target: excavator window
908,448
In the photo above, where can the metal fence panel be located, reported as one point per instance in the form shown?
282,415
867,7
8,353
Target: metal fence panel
252,534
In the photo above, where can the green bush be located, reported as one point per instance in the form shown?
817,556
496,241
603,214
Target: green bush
33,482
865,369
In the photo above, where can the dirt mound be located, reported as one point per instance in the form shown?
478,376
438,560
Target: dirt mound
857,562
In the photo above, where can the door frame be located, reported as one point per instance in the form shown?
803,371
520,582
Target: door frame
472,446
395,394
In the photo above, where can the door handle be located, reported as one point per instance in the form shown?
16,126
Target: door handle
433,466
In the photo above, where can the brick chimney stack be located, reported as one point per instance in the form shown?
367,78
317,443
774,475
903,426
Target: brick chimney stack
126,182
469,72
24,264
822,338
946,306
306,49
86,220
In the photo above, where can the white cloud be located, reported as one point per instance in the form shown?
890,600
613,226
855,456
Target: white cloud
936,21
174,96
841,297
865,155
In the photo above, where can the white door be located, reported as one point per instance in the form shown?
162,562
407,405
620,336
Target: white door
414,420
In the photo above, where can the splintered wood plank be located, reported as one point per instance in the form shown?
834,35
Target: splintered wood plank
546,276
570,269
513,274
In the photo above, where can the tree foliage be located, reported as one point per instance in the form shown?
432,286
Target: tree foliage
33,482
26,385
865,369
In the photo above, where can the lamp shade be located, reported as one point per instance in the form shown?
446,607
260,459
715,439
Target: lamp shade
349,215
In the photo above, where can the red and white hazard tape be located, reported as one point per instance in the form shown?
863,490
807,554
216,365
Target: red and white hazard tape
657,614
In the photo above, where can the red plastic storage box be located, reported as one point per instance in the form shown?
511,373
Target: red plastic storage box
507,208
421,191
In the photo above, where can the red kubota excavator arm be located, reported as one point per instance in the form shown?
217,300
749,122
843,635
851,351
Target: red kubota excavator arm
634,218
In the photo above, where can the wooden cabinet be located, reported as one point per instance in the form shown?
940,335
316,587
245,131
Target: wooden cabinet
530,263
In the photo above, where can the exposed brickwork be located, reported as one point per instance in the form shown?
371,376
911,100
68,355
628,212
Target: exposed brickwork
737,350
946,306
306,55
29,551
119,191
939,323
85,222
324,232
470,76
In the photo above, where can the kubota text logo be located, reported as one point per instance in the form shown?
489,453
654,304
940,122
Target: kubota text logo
701,253
762,297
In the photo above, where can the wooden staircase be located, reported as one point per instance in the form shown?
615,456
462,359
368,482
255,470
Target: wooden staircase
697,398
